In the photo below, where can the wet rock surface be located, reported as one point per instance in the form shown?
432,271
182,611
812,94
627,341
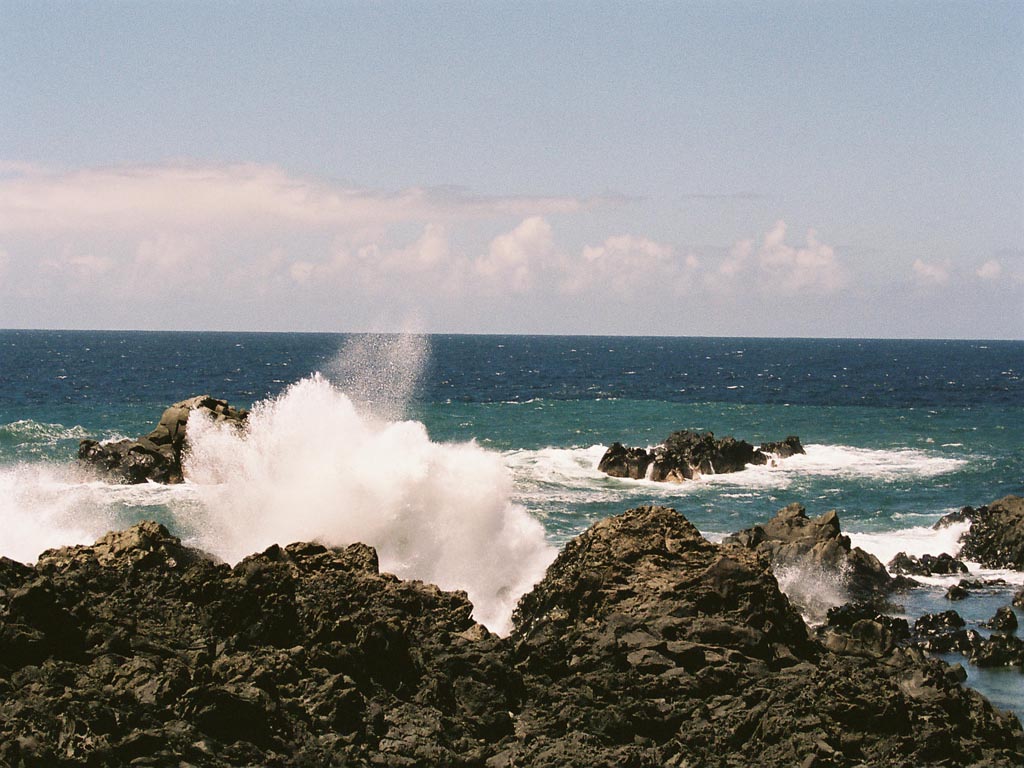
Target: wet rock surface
685,455
644,645
995,538
157,456
791,539
926,565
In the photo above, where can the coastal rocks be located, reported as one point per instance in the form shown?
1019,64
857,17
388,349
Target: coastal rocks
157,456
946,632
644,645
817,547
140,650
685,455
926,565
995,538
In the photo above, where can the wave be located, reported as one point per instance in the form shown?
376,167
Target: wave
563,469
310,466
27,432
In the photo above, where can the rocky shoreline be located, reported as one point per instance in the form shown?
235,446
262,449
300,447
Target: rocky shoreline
644,645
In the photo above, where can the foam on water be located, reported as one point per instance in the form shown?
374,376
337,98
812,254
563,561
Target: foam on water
311,466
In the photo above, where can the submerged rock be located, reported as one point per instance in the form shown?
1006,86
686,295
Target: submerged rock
157,456
685,455
644,645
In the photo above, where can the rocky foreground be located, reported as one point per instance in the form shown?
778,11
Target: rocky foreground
644,645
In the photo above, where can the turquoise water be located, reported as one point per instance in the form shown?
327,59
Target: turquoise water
506,433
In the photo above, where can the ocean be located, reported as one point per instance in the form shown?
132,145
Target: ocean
467,460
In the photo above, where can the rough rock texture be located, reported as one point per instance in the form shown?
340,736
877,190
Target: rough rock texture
926,565
791,539
156,456
946,632
996,536
685,455
645,645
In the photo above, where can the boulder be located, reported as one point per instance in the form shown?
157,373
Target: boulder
791,540
1005,620
619,461
157,456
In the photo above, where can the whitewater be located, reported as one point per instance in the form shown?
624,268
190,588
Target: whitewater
467,461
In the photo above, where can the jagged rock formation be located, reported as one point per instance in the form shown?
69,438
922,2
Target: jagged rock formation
156,456
926,565
685,455
995,538
644,645
793,540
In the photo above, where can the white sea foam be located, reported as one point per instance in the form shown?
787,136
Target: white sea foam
311,466
44,506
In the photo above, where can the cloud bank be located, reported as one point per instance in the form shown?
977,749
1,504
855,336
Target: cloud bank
254,247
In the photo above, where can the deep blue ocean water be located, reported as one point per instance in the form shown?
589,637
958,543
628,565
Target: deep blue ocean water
898,433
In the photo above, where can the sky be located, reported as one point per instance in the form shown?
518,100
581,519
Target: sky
774,168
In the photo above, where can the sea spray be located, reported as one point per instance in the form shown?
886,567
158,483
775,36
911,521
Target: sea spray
311,466
380,373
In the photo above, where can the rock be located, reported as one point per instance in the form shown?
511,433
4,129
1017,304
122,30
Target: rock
619,461
957,592
1018,598
862,630
685,455
817,545
783,449
157,456
644,645
995,538
1005,620
926,565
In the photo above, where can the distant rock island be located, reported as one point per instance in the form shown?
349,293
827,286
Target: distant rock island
685,455
644,645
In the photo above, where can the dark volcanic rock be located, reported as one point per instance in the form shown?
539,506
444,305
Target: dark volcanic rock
783,449
1005,620
860,629
996,535
619,461
926,565
156,456
645,645
685,455
792,540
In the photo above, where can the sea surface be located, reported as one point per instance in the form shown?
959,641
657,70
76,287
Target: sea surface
467,460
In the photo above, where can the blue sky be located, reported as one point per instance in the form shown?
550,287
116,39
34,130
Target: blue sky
719,168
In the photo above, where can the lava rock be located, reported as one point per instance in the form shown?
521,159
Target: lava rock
644,645
793,540
157,456
957,592
1005,620
685,455
926,565
995,537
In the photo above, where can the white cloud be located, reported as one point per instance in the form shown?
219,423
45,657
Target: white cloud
776,267
931,273
511,259
625,265
990,270
229,196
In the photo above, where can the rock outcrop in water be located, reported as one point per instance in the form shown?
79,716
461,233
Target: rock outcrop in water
685,455
644,645
156,456
818,546
995,538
